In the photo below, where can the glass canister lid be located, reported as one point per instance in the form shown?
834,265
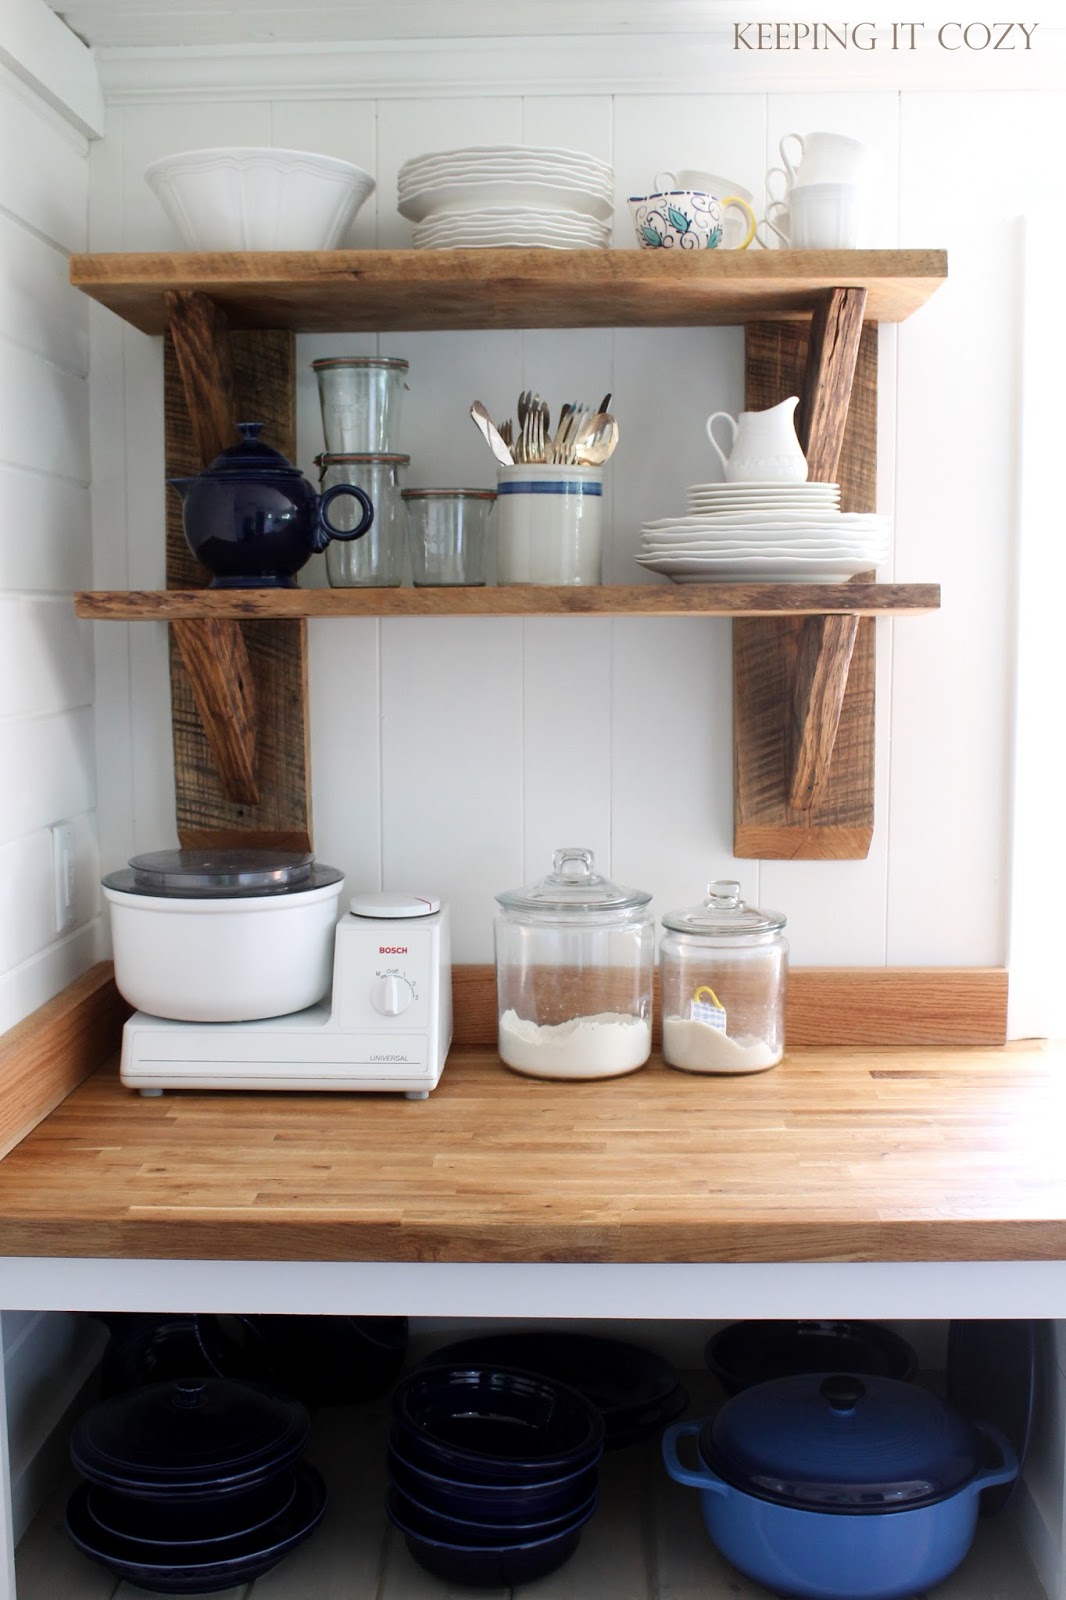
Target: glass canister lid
723,913
573,887
221,874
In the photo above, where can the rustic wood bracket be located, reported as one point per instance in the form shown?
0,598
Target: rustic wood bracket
803,690
238,689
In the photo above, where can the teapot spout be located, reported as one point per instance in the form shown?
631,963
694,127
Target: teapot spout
182,485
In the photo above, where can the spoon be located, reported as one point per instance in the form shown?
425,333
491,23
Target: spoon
484,423
596,440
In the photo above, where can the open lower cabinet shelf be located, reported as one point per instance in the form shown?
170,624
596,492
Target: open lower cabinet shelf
803,655
646,1539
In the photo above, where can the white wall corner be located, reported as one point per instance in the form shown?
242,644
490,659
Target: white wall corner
51,60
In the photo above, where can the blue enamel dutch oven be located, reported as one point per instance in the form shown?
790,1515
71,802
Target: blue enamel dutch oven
831,1486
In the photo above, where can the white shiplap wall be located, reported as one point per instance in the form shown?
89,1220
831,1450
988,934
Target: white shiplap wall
47,763
458,754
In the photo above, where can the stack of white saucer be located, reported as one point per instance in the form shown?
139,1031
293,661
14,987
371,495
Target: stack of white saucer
500,195
775,532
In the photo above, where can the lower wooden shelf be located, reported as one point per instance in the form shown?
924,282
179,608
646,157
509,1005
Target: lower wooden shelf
515,600
646,1540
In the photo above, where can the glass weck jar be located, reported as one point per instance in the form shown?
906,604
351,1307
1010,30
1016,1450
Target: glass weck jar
723,972
377,559
575,964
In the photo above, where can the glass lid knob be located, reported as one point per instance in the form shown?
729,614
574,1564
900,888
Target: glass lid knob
574,864
724,895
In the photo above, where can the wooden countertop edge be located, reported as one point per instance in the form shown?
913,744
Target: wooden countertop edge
630,1242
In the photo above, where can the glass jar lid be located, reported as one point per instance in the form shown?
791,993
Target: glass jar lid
723,912
573,888
448,494
251,457
396,362
838,1442
221,874
366,456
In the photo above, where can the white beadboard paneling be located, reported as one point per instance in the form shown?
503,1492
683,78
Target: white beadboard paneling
28,986
335,128
873,118
27,917
46,536
48,191
715,132
53,62
956,523
38,307
451,747
567,738
44,416
411,128
582,122
672,737
153,131
667,382
48,767
45,657
345,702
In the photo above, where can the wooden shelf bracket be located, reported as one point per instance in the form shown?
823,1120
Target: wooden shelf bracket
238,689
803,690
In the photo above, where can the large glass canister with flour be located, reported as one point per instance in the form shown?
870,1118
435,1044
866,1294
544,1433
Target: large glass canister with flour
575,967
723,968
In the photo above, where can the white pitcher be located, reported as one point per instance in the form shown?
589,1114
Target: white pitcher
765,448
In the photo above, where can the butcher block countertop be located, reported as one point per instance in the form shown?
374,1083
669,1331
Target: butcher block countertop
837,1155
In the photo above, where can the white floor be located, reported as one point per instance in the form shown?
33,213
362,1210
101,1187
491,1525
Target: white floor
646,1542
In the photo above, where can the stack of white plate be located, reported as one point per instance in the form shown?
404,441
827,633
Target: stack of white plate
777,532
519,195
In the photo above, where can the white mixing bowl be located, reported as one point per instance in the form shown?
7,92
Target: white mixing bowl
258,199
222,956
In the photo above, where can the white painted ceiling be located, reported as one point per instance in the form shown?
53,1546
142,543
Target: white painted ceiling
136,23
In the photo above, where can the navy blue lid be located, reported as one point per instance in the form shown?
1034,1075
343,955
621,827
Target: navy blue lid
841,1442
188,1434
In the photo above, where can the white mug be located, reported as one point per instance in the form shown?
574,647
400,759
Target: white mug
824,216
825,158
778,218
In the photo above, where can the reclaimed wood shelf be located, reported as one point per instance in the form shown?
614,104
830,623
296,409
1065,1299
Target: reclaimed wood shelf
358,291
803,669
518,600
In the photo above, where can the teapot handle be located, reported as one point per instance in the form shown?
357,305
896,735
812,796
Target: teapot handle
732,421
325,531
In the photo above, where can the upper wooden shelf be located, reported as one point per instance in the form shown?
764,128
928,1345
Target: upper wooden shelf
357,291
526,600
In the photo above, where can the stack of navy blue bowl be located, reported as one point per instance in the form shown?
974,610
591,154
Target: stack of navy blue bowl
493,1472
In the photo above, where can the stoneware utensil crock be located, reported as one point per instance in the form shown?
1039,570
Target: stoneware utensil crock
254,520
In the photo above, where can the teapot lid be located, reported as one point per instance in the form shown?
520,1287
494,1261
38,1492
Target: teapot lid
251,456
723,912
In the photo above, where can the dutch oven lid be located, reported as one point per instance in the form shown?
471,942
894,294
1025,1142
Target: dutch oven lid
836,1442
188,1435
572,888
251,458
221,874
724,912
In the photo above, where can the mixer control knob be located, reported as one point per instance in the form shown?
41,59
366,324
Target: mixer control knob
391,995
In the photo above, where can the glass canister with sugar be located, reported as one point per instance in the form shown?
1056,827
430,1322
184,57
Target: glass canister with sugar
723,971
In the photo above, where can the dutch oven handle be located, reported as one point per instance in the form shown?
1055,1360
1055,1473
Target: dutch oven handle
704,1478
324,529
1007,1471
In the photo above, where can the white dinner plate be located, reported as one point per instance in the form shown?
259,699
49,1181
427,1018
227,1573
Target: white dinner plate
517,152
695,569
822,516
450,197
752,486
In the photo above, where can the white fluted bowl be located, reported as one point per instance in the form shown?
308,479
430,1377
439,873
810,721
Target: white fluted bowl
258,199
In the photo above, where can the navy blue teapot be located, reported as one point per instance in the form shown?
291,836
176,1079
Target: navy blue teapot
253,519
